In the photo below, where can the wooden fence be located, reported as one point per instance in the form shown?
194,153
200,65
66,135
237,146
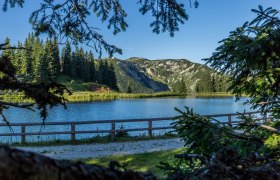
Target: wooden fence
73,125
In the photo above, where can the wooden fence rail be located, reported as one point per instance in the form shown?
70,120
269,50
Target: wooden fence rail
73,126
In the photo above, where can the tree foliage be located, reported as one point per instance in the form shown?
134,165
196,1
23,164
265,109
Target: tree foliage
70,19
45,63
168,14
251,55
213,149
44,94
248,149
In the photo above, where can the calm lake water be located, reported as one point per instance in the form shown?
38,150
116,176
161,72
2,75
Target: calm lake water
119,109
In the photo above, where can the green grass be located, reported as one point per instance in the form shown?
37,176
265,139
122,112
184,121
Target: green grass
75,85
213,94
14,97
138,162
88,96
94,96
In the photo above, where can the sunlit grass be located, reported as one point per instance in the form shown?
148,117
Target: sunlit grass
87,96
95,96
138,162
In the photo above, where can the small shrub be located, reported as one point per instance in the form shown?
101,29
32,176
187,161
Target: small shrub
122,133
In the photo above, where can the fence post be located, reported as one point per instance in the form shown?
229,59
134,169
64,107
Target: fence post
23,135
113,131
229,120
73,135
150,130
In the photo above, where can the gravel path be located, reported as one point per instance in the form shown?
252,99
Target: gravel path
99,150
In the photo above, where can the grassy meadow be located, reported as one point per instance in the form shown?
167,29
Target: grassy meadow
145,162
89,96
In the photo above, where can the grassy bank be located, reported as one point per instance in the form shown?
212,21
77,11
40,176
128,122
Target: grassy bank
138,162
94,96
87,96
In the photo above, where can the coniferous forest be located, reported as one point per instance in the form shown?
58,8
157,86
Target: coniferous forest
43,62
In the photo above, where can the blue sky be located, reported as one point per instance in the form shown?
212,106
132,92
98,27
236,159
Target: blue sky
197,38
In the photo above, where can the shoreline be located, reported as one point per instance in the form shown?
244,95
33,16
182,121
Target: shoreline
87,96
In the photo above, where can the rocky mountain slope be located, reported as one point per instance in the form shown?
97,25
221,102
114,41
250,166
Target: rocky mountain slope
147,76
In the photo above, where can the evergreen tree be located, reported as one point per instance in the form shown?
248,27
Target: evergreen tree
79,57
66,59
55,65
40,63
204,83
17,61
112,77
36,54
52,58
42,75
85,65
182,87
101,72
129,89
213,84
223,83
26,67
92,71
106,74
8,52
73,69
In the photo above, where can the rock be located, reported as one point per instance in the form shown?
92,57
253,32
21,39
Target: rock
17,164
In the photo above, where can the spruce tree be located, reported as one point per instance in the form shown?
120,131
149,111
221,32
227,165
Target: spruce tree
79,55
17,61
40,63
112,77
92,71
56,63
36,48
101,72
27,58
182,87
85,67
73,69
9,52
129,89
66,59
213,83
52,58
106,74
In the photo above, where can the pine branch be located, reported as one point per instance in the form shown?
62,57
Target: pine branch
192,156
17,105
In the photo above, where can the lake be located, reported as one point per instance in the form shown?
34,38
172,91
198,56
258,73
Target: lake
119,109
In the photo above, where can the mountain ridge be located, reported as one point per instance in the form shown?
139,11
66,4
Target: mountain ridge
143,75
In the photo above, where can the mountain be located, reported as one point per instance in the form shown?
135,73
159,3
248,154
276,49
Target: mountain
179,75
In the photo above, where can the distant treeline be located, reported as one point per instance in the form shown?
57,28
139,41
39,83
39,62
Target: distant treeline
207,83
41,61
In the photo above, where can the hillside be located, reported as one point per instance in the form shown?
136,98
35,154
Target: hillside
80,71
143,75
